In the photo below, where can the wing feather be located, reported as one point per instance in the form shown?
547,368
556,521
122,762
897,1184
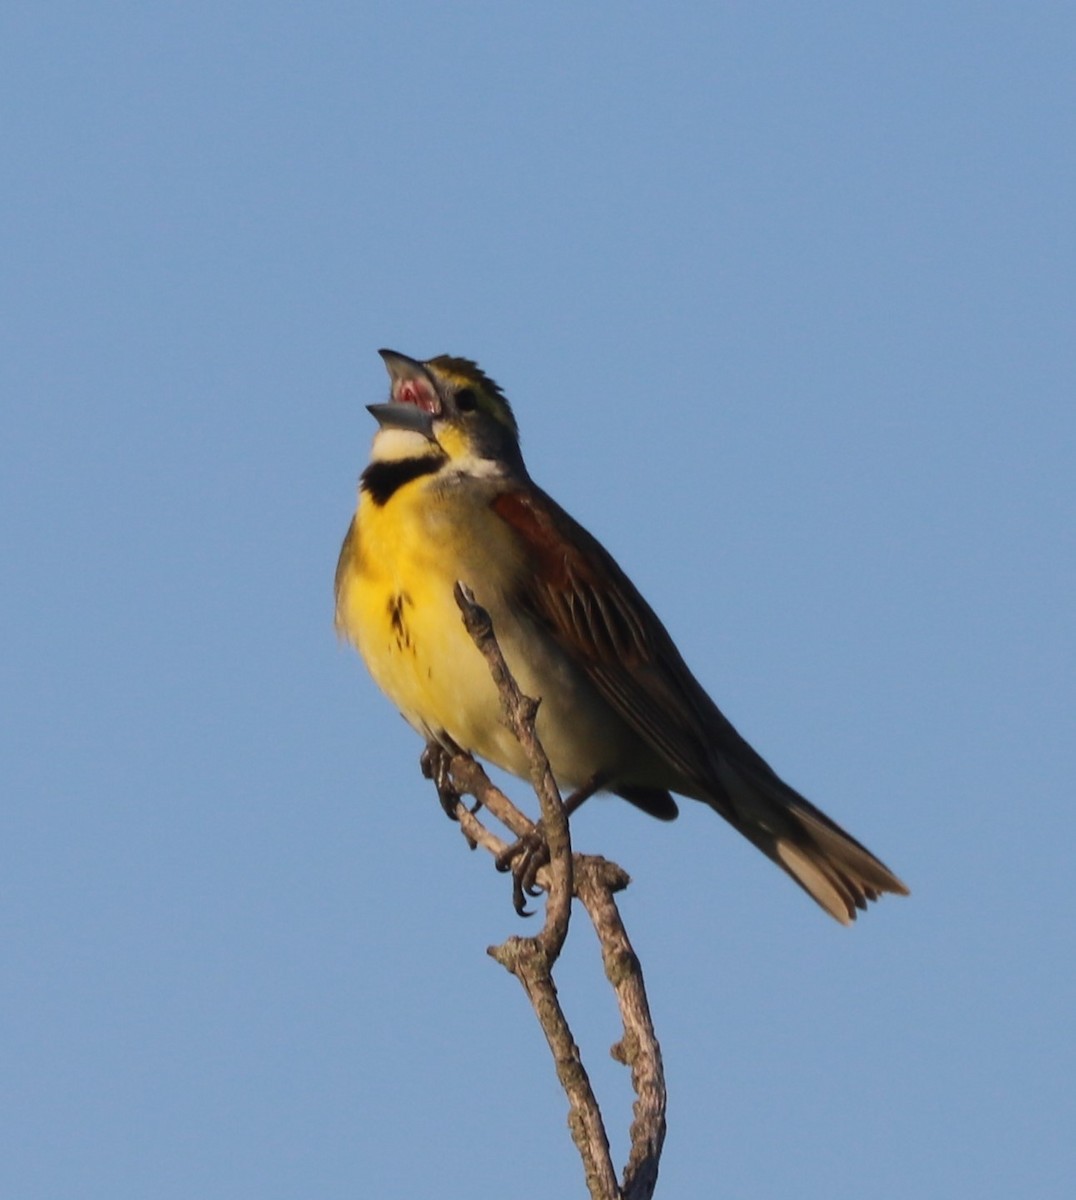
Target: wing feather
589,605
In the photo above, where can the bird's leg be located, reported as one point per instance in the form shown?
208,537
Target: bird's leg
435,762
526,857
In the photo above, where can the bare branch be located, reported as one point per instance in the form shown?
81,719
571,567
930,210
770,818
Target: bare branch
594,881
521,712
526,960
638,1049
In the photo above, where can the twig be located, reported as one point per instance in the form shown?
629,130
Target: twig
521,712
594,880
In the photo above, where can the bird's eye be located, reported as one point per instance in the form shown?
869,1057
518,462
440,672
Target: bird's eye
466,399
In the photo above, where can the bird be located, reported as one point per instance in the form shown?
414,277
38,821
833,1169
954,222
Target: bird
446,499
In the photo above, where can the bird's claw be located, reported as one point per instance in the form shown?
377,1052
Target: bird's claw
525,858
435,763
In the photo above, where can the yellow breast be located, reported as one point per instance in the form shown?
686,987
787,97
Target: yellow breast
394,601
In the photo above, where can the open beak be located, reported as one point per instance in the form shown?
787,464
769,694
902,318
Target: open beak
414,401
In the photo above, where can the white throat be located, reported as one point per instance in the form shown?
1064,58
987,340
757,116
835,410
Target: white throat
391,445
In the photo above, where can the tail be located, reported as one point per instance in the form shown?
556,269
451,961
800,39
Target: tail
833,868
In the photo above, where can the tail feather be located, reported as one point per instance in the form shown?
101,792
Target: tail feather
837,894
838,872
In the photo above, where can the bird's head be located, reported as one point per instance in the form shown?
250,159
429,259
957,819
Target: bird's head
453,407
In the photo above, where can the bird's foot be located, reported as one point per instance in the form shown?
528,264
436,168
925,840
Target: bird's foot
435,762
525,858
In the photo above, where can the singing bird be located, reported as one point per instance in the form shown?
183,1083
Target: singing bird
446,498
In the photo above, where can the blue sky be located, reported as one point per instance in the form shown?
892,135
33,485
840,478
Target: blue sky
784,298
